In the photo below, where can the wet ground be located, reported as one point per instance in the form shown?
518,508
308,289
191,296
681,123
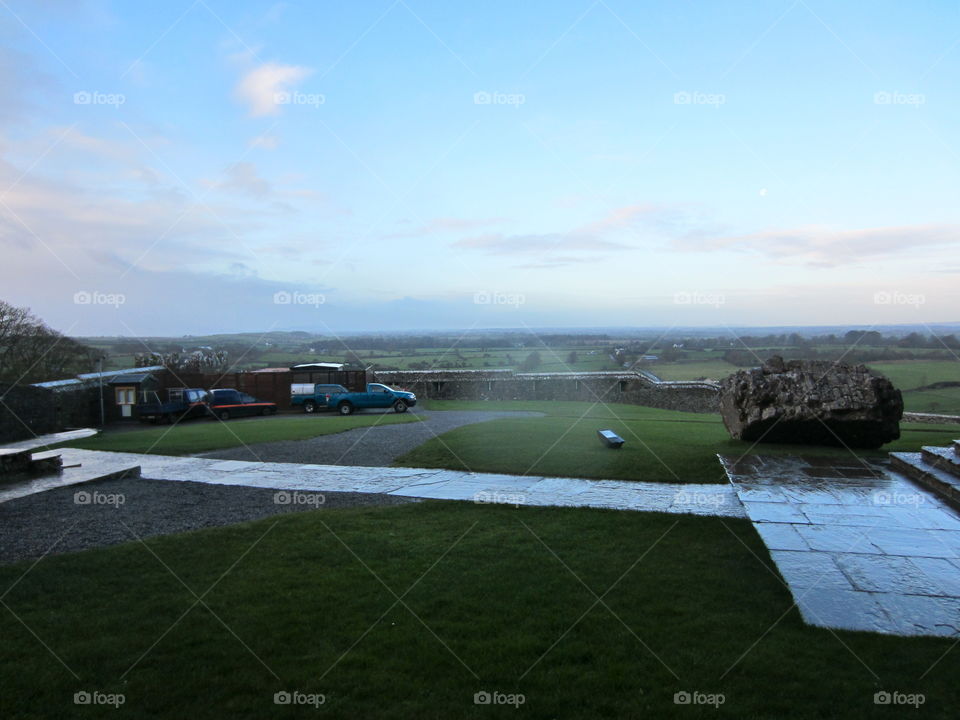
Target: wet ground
860,547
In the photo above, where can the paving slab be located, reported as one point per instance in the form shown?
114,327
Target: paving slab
534,490
860,546
51,439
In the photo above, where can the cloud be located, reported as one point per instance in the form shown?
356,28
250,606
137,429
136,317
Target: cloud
586,243
817,246
441,225
500,244
265,142
243,177
20,81
260,87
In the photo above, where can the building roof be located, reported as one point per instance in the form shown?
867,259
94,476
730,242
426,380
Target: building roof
318,366
59,384
130,379
87,378
271,370
113,373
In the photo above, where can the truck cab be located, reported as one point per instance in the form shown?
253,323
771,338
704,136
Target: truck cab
311,402
377,395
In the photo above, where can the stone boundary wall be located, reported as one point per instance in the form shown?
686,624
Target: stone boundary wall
589,387
931,418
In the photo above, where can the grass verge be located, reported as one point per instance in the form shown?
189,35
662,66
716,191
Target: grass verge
191,437
661,445
301,603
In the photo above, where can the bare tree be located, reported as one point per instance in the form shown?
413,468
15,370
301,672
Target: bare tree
32,352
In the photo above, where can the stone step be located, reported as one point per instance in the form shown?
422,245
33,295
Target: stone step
18,464
47,462
942,458
77,475
13,463
913,465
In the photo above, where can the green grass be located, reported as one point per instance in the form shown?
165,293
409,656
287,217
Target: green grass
661,445
911,374
693,604
196,436
695,370
945,401
908,375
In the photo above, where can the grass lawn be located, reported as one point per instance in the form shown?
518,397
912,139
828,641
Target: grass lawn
196,436
945,401
306,603
709,369
911,374
661,445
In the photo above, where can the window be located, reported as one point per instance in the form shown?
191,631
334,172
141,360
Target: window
126,396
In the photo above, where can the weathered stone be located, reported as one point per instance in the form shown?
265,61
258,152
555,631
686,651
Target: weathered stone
814,402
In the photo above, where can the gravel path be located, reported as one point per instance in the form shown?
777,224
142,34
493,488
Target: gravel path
52,522
375,446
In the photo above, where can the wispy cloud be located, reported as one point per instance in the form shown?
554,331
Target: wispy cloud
500,244
440,225
825,247
260,87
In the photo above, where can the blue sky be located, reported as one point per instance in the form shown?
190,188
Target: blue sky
185,167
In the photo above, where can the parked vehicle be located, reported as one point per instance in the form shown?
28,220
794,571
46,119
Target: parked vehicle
227,403
376,396
317,400
181,404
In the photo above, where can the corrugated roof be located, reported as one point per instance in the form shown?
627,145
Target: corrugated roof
111,373
132,378
56,384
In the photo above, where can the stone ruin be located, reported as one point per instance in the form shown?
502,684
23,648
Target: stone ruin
812,402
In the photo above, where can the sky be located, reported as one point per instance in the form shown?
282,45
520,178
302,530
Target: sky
186,167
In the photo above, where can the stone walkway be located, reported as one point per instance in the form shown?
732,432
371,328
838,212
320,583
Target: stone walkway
699,499
860,547
53,438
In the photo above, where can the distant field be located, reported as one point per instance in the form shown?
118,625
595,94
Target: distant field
708,369
911,374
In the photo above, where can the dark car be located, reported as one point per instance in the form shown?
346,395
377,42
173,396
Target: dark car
228,403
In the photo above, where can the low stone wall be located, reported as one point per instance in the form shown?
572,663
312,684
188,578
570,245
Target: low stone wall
589,387
931,418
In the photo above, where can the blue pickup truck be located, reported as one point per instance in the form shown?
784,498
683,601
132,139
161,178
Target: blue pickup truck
311,402
376,396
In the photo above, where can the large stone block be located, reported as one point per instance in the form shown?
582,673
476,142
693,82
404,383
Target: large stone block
814,402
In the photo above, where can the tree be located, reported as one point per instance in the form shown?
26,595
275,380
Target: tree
32,352
572,358
531,361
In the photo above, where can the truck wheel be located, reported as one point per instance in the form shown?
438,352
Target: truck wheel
399,406
223,415
309,406
345,408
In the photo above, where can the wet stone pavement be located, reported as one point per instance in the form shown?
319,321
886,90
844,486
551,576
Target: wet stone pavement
860,546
